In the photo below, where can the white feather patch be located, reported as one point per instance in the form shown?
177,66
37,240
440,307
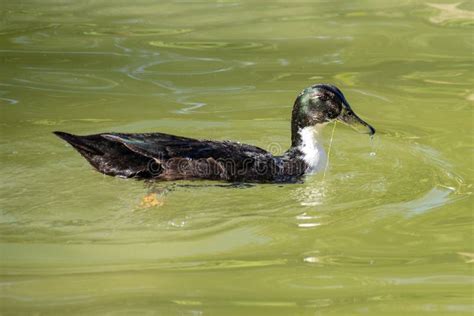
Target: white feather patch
313,151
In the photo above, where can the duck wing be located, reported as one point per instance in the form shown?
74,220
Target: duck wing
168,157
163,147
175,157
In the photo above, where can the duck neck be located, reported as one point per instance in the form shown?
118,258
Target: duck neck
303,135
306,143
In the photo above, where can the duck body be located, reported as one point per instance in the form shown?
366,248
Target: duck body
164,157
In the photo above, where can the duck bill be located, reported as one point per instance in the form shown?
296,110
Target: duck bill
351,119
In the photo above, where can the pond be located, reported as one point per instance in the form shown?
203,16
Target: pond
387,229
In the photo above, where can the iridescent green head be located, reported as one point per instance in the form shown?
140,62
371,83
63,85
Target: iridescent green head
323,103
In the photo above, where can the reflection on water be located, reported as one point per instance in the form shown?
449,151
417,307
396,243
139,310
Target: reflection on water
386,230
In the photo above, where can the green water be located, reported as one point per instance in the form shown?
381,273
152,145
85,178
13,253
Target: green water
387,231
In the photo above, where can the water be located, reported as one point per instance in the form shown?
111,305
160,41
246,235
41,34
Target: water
387,231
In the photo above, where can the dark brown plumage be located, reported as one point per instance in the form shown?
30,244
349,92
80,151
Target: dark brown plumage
167,157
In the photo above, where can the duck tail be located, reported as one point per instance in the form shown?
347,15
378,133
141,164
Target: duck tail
109,157
82,144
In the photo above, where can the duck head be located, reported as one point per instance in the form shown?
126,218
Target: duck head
320,104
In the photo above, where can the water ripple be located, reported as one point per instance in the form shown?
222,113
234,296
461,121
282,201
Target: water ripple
437,184
202,45
131,31
68,80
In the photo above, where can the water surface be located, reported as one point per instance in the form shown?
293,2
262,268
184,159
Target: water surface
387,231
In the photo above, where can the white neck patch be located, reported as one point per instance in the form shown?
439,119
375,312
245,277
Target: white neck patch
313,151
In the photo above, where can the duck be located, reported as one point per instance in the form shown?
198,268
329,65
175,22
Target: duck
165,157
